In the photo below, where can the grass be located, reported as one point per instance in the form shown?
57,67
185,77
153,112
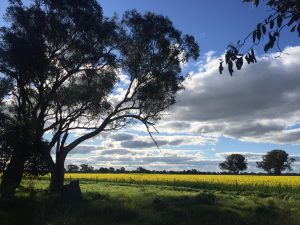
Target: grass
136,204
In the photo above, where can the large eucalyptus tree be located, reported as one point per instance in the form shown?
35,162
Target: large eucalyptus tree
65,61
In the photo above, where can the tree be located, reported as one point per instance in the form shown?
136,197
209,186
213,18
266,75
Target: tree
64,59
276,161
283,15
234,163
85,168
111,169
142,170
122,170
72,168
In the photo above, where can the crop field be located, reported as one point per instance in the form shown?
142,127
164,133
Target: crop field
158,199
277,184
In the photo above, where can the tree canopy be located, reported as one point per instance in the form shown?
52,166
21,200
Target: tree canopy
276,161
234,163
64,62
284,15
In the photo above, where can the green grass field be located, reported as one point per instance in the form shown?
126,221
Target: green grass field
134,204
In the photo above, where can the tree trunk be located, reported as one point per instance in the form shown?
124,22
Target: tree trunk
58,174
13,174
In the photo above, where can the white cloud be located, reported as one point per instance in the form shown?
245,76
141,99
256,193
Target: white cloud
257,104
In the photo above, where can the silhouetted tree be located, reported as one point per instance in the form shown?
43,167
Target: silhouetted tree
142,170
282,15
276,161
122,169
72,168
234,163
111,169
85,168
65,60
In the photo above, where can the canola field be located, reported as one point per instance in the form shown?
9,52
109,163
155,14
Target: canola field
278,184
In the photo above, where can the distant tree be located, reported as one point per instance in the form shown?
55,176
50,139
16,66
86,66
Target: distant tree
111,169
103,170
85,168
122,169
72,168
142,170
276,161
283,14
234,163
65,59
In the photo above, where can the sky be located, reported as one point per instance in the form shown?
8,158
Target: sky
251,113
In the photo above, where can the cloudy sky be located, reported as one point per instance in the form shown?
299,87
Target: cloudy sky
251,113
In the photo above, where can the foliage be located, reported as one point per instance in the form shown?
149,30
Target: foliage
234,163
5,141
72,168
276,161
283,15
85,168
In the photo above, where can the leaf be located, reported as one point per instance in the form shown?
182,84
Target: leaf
292,20
239,63
258,34
247,59
252,52
221,67
271,24
279,21
267,47
230,65
258,26
298,29
254,36
227,57
263,28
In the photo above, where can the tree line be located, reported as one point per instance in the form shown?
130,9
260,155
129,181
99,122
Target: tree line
274,162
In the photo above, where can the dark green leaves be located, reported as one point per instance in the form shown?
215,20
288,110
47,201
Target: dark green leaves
221,67
239,63
230,67
279,21
271,24
263,28
283,14
271,42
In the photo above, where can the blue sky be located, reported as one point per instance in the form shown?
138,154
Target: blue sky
253,112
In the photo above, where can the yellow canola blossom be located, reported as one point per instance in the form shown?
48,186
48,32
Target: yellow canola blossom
198,181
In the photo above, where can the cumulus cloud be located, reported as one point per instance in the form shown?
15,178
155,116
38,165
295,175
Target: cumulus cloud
257,104
85,149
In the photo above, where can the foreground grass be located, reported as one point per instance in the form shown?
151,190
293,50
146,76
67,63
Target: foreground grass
133,204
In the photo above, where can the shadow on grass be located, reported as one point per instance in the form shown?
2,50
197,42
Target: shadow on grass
204,208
